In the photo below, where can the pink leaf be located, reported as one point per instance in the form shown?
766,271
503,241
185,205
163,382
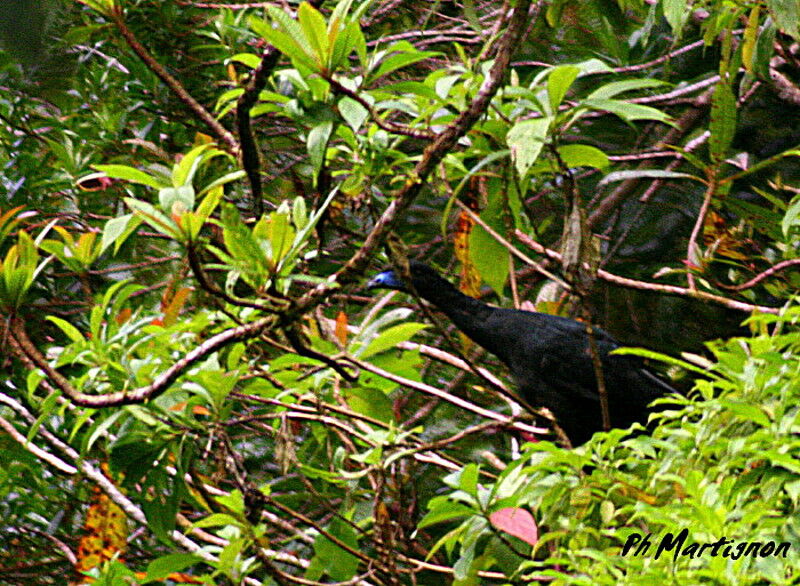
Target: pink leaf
516,522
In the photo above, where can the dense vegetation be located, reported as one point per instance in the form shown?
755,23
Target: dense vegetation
197,387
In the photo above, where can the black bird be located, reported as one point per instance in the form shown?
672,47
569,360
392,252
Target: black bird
548,356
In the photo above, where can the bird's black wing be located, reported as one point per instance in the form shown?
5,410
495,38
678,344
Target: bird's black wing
551,360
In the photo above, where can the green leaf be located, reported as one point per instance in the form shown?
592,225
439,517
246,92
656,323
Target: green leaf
583,155
129,174
299,213
185,169
227,178
370,402
247,59
400,60
750,39
281,235
317,144
723,121
117,231
18,270
391,337
615,88
676,12
100,429
242,245
786,14
46,409
290,26
747,411
353,113
468,480
627,111
558,83
791,218
216,520
347,39
489,256
304,232
71,331
154,217
765,47
213,195
160,568
526,139
665,358
315,31
9,221
285,43
445,510
338,563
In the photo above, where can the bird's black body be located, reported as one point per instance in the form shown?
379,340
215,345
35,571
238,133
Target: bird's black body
549,356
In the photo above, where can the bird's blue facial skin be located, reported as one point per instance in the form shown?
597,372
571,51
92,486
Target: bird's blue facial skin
385,280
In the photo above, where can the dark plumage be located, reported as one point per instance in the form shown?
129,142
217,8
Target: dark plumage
548,356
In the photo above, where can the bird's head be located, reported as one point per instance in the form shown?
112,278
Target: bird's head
388,279
422,276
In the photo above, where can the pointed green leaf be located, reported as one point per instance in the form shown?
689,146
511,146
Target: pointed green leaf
526,139
243,247
286,45
391,337
317,143
299,213
153,217
71,331
627,111
615,88
345,42
400,60
129,174
185,170
583,155
315,31
723,121
353,113
676,12
558,83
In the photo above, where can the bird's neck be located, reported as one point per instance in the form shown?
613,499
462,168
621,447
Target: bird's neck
467,313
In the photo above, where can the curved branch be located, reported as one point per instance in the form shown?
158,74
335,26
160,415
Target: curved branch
784,264
22,345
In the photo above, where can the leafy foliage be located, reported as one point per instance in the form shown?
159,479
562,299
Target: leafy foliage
183,232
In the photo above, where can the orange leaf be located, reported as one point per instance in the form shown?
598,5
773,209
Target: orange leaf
341,328
173,308
123,316
105,531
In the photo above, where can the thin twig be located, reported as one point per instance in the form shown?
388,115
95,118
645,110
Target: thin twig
668,289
